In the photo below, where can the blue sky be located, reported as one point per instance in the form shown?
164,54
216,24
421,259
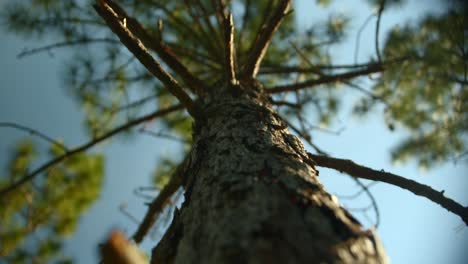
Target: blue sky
412,229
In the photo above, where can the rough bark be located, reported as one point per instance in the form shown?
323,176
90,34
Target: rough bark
253,194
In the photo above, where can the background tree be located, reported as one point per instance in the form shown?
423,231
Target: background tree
111,88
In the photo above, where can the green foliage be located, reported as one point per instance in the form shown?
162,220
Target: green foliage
426,89
42,213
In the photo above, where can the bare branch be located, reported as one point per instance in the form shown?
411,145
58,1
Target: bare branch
263,40
312,69
324,79
135,46
34,132
162,50
229,52
160,134
358,37
29,52
372,198
419,189
160,202
377,29
86,146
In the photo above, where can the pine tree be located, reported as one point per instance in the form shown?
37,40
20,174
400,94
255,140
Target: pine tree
252,192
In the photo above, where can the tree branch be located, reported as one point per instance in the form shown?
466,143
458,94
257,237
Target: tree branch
419,189
371,198
160,202
358,37
313,69
86,146
29,52
138,49
34,132
325,79
263,40
162,50
229,51
377,29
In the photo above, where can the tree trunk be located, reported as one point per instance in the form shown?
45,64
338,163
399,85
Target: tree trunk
253,194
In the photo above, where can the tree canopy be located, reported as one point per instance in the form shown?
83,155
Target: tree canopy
417,79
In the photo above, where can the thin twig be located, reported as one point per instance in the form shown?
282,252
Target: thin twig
136,103
29,52
123,210
313,69
372,198
162,135
229,52
377,29
325,79
35,133
138,49
263,40
358,193
160,202
419,189
358,37
86,146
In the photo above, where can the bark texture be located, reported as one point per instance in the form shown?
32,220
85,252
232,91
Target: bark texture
253,193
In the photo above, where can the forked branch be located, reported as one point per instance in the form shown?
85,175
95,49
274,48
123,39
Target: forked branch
162,50
135,45
86,146
263,40
419,189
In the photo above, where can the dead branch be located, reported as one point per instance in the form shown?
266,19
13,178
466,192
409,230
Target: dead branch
229,51
162,50
35,133
81,41
263,40
324,79
419,189
372,199
86,146
377,29
160,202
134,45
